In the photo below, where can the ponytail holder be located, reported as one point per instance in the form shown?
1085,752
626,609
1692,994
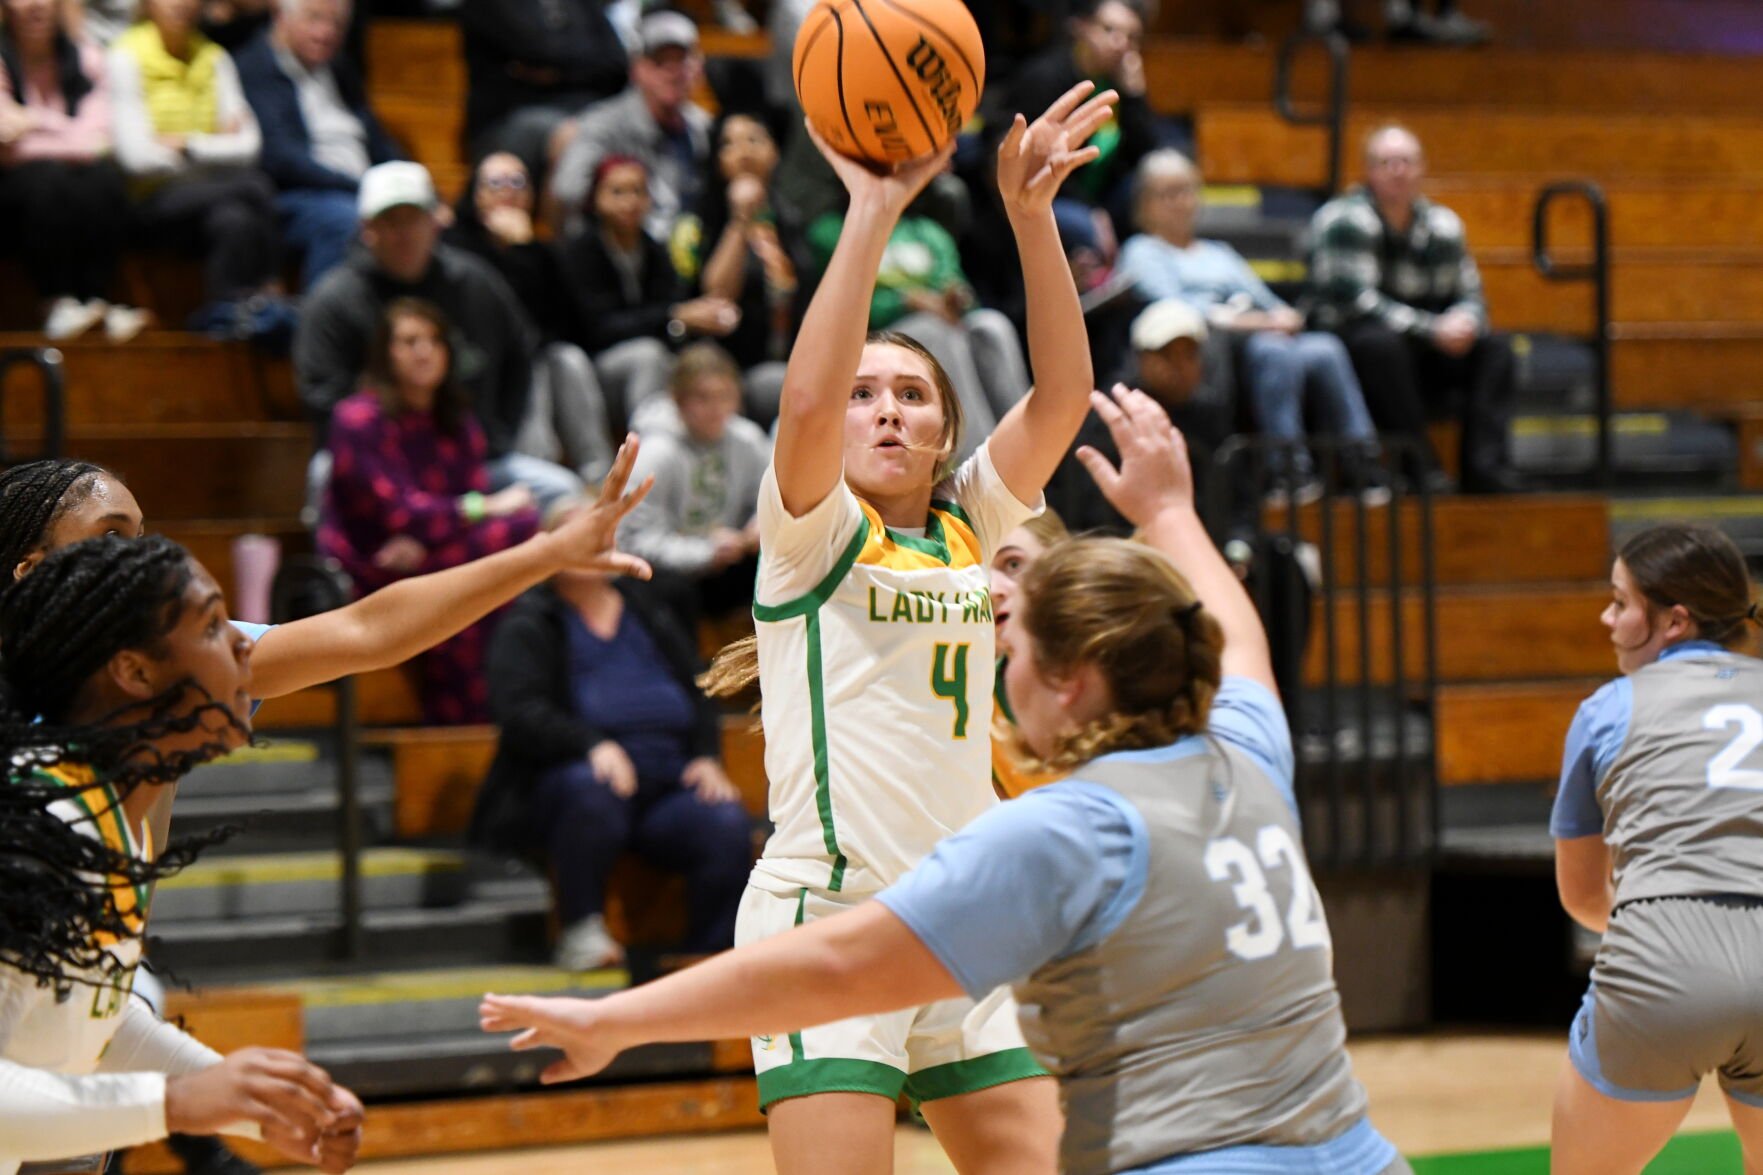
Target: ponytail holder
1185,616
1752,614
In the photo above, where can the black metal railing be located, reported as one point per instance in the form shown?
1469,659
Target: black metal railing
1351,562
47,361
305,586
1333,114
1598,273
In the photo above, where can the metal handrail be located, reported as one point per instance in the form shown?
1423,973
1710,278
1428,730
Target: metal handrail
1598,273
47,360
306,585
1334,115
1351,823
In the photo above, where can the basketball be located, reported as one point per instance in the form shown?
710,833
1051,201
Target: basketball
888,81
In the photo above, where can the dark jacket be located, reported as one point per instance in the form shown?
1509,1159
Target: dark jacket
558,53
1039,84
606,316
531,700
287,144
493,342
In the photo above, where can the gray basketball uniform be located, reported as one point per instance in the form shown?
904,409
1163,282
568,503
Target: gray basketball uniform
1209,1018
1677,989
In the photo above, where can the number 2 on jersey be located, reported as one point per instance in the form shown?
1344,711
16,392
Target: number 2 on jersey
1259,935
948,679
1724,769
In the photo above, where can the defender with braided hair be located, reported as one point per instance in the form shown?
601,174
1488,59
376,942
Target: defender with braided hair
1153,911
122,673
1658,832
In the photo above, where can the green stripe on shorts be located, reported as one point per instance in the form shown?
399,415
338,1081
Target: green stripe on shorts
969,1076
829,1075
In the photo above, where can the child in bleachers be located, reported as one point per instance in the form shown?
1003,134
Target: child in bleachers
698,527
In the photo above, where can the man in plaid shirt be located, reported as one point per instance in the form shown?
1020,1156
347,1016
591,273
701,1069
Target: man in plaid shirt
1392,275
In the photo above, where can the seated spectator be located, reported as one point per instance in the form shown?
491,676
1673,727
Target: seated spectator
730,248
189,143
699,525
1104,48
1393,276
1183,366
1281,361
626,296
402,256
653,121
531,64
1404,20
922,291
319,137
493,219
608,745
233,24
63,207
409,491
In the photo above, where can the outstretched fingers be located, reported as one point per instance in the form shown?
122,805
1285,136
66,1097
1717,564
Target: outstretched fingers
1068,101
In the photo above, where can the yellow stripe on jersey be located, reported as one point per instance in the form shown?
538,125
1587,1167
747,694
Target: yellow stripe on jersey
948,543
101,806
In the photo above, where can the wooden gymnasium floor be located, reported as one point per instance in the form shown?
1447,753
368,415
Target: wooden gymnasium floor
1456,1105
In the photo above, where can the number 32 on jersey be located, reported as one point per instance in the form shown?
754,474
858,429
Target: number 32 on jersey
1246,870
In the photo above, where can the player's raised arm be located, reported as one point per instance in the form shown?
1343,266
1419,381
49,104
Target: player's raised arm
817,385
1033,161
1154,490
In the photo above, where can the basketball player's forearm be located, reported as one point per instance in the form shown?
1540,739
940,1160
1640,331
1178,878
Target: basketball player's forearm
1179,534
397,622
1058,341
46,1116
852,964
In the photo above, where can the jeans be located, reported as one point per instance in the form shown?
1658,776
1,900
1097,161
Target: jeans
320,223
550,482
566,415
1279,368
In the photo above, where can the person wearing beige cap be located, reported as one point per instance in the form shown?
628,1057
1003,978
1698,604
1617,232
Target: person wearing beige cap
654,121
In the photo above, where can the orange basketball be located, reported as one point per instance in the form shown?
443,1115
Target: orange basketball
889,80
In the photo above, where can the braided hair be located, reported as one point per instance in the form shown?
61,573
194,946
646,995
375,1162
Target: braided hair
59,627
33,496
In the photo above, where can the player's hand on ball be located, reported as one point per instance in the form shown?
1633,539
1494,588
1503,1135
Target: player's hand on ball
287,1096
587,539
565,1024
1036,157
888,192
1154,473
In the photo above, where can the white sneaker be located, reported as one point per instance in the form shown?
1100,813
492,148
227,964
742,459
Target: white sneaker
588,946
69,318
122,323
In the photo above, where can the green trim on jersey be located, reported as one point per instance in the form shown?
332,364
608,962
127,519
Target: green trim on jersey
113,808
807,605
795,1037
973,1074
832,1075
823,781
955,509
999,694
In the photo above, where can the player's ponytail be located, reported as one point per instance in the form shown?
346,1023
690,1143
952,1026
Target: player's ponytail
734,671
1701,570
1126,610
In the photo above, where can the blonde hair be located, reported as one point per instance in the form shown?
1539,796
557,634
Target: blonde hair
702,360
735,669
1126,610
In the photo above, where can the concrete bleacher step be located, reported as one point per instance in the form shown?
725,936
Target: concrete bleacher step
272,885
1250,143
1497,828
280,797
506,923
1663,446
1739,515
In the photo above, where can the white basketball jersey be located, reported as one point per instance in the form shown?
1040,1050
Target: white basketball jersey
69,1035
876,659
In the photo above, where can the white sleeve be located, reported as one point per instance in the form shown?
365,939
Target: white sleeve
145,1043
138,149
237,148
795,554
988,503
44,1115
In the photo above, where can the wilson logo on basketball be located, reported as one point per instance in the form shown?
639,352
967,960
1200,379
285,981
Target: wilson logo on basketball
933,71
887,130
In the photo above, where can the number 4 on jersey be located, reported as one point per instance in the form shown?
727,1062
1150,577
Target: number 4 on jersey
948,679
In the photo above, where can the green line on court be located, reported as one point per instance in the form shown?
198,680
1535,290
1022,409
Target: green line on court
1715,1153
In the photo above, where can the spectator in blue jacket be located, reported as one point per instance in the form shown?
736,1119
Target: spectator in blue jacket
319,137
